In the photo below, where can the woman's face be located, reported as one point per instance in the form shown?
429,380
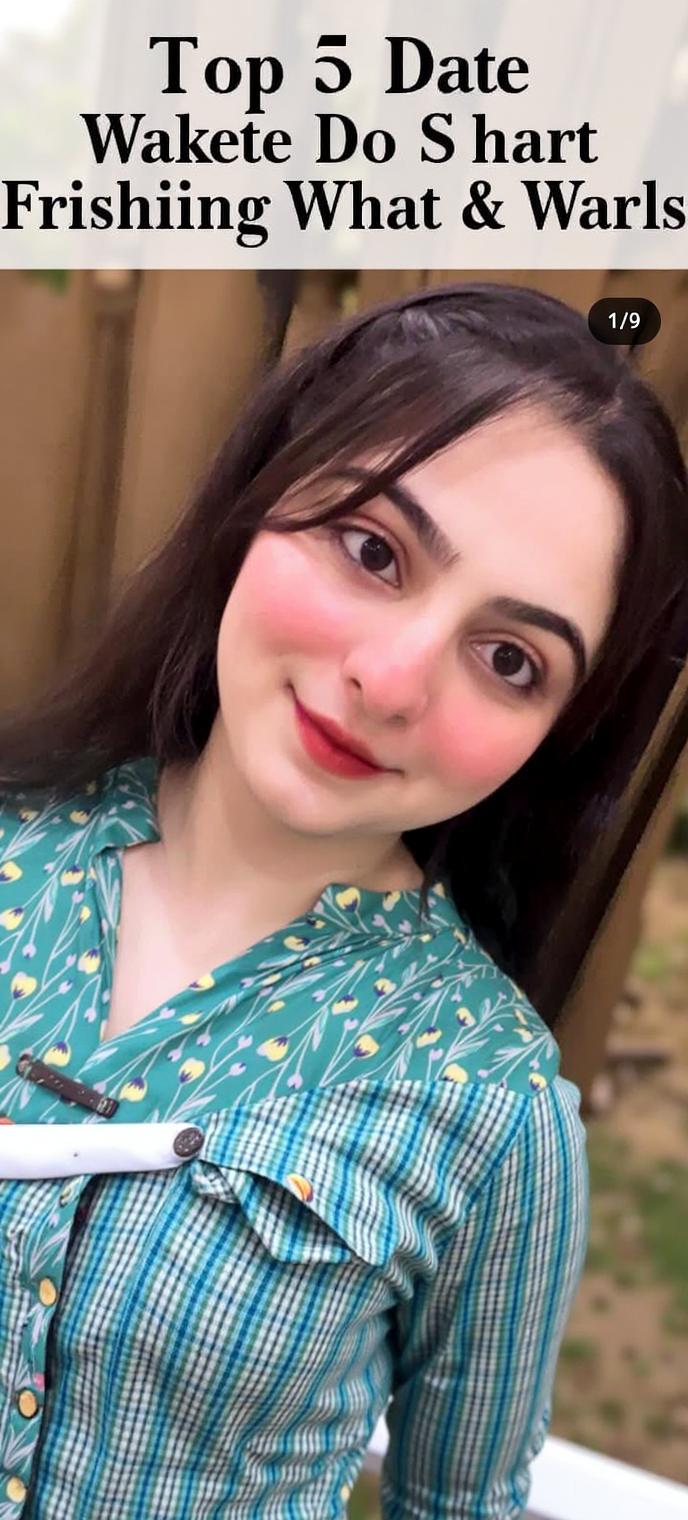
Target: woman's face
414,658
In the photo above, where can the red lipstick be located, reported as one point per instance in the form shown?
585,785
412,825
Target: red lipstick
331,747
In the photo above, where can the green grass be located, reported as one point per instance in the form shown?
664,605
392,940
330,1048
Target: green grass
577,1352
661,1199
652,962
629,1277
657,1195
599,1258
640,1366
659,1426
607,1160
364,1501
613,1412
675,1320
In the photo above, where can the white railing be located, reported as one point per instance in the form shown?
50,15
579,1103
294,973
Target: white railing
574,1483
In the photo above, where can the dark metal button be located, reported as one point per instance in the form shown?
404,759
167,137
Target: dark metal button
188,1141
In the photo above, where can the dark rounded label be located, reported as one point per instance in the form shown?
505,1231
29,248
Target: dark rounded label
627,320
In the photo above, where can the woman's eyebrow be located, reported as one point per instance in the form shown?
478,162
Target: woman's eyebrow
429,534
440,549
552,622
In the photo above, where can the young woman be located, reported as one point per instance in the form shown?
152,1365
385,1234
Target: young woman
281,866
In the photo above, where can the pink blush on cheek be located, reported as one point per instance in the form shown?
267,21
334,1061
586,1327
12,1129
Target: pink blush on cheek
293,605
478,748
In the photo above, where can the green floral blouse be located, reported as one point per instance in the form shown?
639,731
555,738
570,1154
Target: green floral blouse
390,1203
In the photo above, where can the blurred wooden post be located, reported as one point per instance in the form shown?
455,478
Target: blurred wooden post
114,295
586,1016
47,338
198,343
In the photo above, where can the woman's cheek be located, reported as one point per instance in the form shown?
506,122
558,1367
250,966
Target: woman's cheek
478,747
288,601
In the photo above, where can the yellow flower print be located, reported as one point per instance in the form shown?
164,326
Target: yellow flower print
424,938
23,985
189,1018
10,871
89,961
439,889
311,960
319,923
275,1049
59,1054
191,1069
276,1006
429,1036
345,1004
275,976
349,899
526,1035
455,1073
459,934
295,942
79,815
11,918
300,1186
72,876
27,815
4,1056
465,1017
366,1046
134,1090
383,985
203,982
537,1081
84,913
389,899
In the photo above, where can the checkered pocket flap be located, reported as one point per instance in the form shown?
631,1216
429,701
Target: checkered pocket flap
317,1205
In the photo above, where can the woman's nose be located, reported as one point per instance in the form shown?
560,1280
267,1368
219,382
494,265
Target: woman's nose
396,677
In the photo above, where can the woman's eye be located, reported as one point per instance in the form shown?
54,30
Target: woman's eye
514,666
511,663
376,554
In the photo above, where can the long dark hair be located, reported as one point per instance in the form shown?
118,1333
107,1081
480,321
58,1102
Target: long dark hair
399,383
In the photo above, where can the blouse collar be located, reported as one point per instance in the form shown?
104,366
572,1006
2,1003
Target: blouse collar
126,814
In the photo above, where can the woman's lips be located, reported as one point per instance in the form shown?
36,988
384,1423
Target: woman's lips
326,753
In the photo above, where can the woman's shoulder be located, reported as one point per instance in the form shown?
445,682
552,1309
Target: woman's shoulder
479,1023
31,821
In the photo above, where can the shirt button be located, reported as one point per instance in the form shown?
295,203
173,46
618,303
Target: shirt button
27,1403
15,1489
47,1292
188,1141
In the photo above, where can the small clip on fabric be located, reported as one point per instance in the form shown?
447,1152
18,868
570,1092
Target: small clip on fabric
66,1087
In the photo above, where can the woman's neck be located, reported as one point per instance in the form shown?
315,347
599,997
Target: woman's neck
221,852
